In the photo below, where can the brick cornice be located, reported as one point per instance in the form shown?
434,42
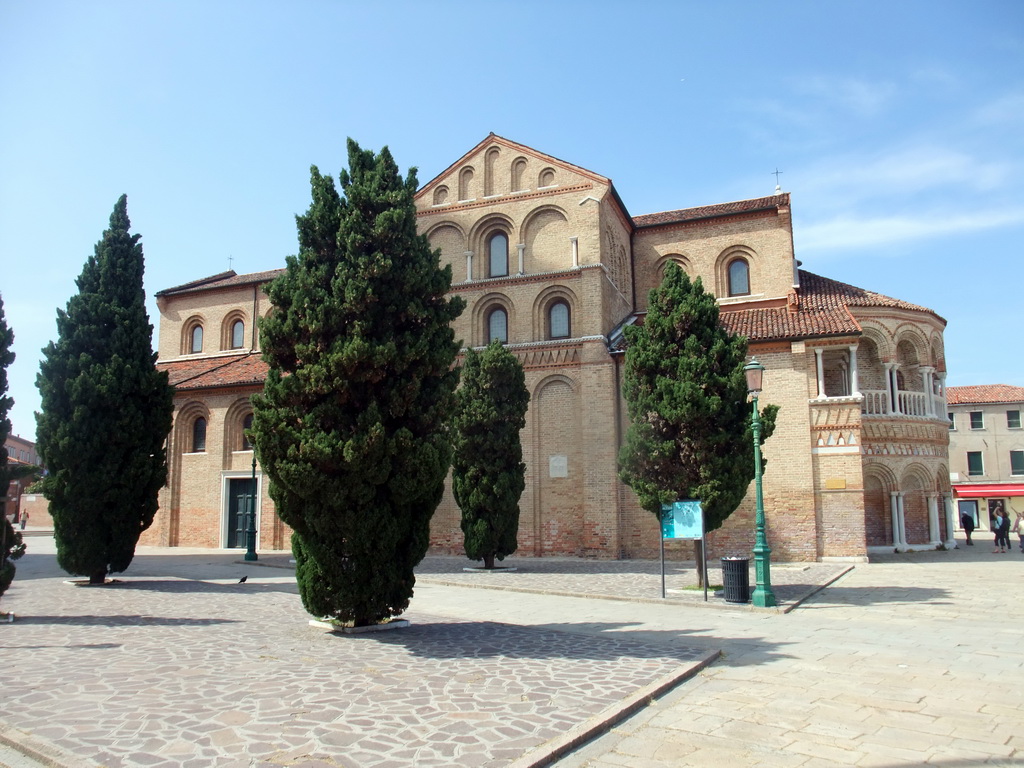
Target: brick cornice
511,197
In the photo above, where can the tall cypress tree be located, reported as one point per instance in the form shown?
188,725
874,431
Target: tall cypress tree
350,426
11,546
690,434
488,473
106,411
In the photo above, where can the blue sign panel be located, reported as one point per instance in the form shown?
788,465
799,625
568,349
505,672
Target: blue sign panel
682,520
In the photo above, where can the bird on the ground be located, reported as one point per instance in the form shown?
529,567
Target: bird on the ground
242,580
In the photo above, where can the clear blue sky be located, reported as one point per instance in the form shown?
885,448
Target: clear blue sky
899,128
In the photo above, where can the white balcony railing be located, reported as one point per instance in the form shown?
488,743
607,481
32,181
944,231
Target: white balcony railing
876,403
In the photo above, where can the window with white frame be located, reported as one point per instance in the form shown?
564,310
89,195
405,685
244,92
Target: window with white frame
977,420
1017,462
1013,419
975,465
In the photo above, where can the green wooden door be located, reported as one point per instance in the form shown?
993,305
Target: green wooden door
240,506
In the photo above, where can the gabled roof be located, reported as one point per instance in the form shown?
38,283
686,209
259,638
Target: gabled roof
493,138
209,372
981,394
229,279
711,211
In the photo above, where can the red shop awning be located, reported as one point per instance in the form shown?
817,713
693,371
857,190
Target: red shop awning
980,490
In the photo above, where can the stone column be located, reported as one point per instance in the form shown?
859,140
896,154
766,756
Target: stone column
933,520
894,511
929,402
903,521
854,380
521,247
893,384
940,398
947,508
469,266
575,251
819,368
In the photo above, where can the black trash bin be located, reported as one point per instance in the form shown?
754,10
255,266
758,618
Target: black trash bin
736,579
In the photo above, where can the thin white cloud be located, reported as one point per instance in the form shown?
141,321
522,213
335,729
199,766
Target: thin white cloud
855,96
909,170
848,232
1005,112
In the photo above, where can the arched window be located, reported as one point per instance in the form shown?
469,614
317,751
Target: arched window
246,426
237,334
199,435
196,344
739,277
558,320
497,249
497,325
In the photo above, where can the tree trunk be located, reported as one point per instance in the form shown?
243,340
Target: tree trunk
489,561
698,555
98,577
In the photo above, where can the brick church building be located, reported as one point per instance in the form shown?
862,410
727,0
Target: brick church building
548,258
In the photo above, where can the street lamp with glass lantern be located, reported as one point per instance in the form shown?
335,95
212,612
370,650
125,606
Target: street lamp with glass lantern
763,595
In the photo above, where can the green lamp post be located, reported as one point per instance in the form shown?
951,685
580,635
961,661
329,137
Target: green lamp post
250,532
763,596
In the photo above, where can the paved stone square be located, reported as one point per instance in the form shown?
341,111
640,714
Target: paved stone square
913,659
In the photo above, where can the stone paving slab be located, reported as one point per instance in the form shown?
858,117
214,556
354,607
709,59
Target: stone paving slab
160,670
633,580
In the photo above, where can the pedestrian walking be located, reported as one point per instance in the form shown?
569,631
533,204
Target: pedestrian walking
1018,526
1001,526
967,521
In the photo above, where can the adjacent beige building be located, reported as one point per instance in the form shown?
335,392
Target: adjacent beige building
986,450
548,258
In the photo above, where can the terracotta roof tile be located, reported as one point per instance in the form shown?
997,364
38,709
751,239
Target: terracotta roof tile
228,279
823,311
822,292
984,393
710,211
209,372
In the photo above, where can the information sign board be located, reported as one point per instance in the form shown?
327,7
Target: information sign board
682,519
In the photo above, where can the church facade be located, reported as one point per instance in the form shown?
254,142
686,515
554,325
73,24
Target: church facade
548,259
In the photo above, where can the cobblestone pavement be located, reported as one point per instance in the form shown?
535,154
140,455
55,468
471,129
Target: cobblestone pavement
913,659
161,669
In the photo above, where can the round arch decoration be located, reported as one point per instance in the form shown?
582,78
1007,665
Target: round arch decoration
184,418
234,417
482,308
726,258
227,329
663,261
188,328
542,304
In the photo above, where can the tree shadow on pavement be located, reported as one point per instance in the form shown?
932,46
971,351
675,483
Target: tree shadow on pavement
594,641
844,597
184,585
127,620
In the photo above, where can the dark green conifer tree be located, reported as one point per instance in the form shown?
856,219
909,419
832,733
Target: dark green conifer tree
106,412
488,473
690,435
11,546
350,426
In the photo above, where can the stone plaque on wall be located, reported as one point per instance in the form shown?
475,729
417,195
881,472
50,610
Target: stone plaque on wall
558,466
